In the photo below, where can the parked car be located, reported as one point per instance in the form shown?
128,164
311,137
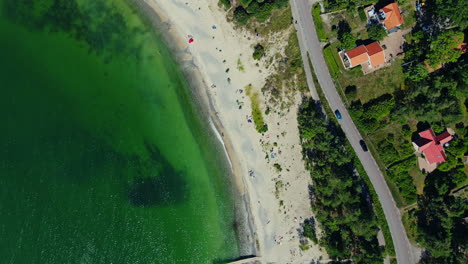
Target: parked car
338,114
363,145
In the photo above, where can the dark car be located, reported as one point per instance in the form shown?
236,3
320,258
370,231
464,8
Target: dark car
363,145
338,114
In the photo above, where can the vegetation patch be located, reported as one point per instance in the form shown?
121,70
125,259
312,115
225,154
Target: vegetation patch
277,167
318,23
259,51
348,223
438,219
331,62
289,76
225,3
240,66
259,9
260,124
310,230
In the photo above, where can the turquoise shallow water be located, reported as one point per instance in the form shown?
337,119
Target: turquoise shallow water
103,158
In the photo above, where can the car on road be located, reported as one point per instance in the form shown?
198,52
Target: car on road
338,114
363,145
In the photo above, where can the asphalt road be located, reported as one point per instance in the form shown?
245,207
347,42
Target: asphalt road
310,43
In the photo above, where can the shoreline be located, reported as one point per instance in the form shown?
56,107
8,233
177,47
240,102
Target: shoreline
270,204
245,231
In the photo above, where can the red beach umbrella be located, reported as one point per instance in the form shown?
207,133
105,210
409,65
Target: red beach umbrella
190,40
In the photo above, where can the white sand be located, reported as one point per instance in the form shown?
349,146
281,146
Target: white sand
276,228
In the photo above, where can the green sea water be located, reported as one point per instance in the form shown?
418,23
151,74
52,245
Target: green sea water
103,158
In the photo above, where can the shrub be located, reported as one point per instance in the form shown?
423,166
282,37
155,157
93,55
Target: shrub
351,91
241,16
348,41
362,14
309,230
259,51
225,3
260,11
277,167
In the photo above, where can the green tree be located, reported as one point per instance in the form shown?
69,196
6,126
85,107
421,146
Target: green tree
443,48
455,10
416,73
348,41
309,230
376,32
241,16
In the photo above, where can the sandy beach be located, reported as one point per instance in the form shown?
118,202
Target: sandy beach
275,203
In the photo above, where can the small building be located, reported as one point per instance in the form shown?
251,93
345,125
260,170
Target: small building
389,16
373,55
432,146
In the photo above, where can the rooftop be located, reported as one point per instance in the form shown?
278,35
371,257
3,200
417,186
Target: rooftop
372,53
376,54
393,16
358,55
432,146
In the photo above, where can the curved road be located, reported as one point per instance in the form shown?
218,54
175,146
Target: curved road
310,43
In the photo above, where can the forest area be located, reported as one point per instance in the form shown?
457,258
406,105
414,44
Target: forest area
340,198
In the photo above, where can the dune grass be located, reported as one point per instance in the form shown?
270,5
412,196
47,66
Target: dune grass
257,115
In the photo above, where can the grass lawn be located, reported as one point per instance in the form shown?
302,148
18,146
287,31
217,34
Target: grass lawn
318,23
375,84
418,178
332,61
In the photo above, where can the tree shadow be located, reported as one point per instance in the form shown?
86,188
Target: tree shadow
343,28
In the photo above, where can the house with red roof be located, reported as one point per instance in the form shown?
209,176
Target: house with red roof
432,146
389,16
373,55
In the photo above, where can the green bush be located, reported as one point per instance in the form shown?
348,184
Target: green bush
225,3
351,92
348,41
260,11
241,16
376,32
259,51
362,14
309,230
277,167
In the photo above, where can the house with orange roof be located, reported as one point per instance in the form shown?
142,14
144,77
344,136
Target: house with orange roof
389,16
372,55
